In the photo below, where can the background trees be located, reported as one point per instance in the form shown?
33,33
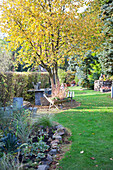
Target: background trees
106,56
90,68
87,70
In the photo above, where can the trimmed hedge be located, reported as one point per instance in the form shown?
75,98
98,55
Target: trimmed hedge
17,84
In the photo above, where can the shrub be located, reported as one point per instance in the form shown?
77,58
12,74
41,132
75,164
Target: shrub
6,88
62,75
70,76
9,143
15,84
45,121
7,162
21,124
66,77
34,149
59,92
76,80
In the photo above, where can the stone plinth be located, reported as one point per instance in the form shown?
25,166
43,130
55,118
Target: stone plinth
38,95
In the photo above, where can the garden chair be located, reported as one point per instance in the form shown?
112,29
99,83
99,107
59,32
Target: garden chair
50,101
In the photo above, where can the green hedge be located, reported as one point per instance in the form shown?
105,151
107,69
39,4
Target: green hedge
17,84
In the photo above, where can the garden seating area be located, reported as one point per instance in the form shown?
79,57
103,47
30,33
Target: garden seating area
52,103
56,85
57,103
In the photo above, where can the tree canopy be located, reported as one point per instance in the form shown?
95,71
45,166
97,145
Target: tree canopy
106,56
48,30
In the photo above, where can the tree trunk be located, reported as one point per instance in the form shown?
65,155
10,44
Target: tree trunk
56,75
53,73
54,78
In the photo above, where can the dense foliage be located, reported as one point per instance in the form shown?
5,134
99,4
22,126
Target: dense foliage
87,70
49,30
106,56
16,84
22,142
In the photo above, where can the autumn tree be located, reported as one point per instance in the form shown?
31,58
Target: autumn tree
48,30
88,70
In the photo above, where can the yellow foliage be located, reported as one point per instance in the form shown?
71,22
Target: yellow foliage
49,29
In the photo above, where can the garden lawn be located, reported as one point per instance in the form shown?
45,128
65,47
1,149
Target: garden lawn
91,125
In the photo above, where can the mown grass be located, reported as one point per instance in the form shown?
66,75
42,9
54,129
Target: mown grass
91,125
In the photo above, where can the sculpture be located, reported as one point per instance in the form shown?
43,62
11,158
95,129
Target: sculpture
37,86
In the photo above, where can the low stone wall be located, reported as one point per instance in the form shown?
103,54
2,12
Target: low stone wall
105,85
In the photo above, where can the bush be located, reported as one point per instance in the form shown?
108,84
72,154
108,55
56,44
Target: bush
44,121
9,143
66,77
6,88
62,75
76,80
7,162
21,124
15,84
18,121
36,148
70,76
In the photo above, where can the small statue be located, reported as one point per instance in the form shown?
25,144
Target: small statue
37,86
101,77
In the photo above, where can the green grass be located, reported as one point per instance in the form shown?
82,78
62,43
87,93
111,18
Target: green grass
91,125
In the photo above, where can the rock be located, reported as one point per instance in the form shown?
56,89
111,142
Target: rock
58,137
26,104
54,145
60,132
55,141
49,140
60,127
46,162
53,152
33,109
43,167
49,158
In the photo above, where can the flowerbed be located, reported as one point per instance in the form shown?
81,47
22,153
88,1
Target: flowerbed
25,145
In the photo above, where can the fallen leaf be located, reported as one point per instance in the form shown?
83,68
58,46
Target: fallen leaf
54,167
96,165
111,159
92,158
81,151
